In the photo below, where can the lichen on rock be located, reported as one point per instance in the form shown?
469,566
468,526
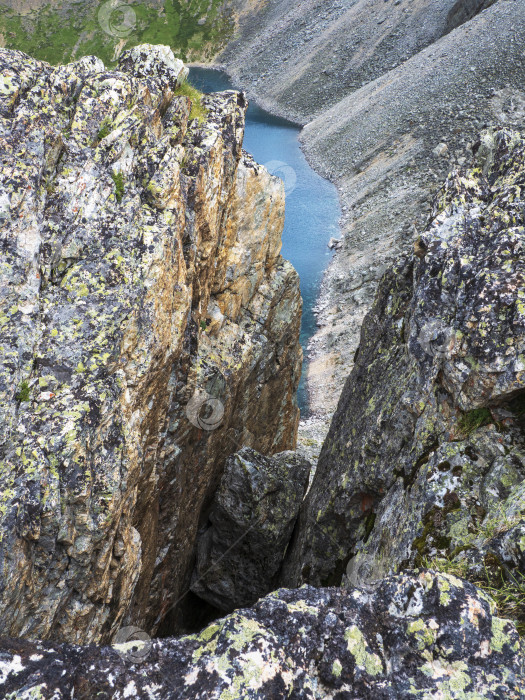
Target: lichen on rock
427,635
127,227
424,459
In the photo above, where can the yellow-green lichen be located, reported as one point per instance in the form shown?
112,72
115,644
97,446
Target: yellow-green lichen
356,644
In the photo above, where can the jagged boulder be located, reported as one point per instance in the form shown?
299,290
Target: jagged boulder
140,285
424,460
426,635
252,516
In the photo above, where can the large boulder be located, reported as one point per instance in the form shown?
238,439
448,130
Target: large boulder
427,636
240,551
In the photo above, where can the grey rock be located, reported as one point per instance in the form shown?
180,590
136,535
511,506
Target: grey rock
424,462
425,635
140,286
252,516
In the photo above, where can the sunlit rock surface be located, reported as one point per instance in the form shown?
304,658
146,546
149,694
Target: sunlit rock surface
148,329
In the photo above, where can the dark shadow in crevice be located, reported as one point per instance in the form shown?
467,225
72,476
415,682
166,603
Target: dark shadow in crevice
465,10
191,616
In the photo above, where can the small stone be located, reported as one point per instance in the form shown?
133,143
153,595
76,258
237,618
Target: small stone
440,150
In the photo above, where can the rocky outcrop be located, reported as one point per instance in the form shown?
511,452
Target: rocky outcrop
149,328
392,101
240,552
424,460
426,635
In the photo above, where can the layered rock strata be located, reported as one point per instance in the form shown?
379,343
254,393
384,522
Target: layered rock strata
148,327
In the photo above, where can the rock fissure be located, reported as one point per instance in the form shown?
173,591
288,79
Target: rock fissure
101,456
150,360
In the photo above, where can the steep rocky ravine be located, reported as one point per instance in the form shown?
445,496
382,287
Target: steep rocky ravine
392,96
149,327
128,301
423,464
150,361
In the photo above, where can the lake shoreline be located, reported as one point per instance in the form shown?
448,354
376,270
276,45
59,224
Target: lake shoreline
315,421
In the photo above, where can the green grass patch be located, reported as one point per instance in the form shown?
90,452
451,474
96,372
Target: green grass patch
105,128
75,29
118,179
23,392
471,421
197,110
506,588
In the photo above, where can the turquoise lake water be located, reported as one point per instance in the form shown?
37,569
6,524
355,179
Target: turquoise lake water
312,205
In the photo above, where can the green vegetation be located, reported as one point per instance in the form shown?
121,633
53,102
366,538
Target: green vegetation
105,128
118,179
506,588
81,28
473,420
197,110
203,325
23,392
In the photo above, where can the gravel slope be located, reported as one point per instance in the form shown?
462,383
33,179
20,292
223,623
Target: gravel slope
386,136
300,58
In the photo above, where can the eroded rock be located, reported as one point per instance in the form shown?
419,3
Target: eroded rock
125,221
240,552
425,635
424,459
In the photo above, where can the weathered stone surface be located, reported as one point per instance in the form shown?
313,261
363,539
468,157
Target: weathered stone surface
426,635
140,268
424,458
240,552
379,85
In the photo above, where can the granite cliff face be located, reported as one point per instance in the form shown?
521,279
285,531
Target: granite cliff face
148,327
424,462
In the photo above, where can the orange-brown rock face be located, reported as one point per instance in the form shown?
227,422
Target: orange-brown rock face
149,328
